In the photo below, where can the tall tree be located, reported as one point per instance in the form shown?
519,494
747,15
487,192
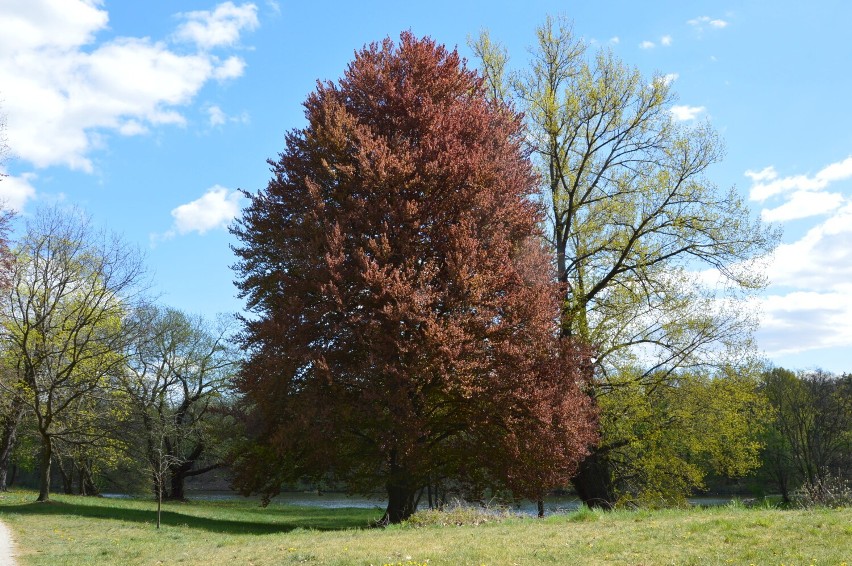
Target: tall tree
11,406
66,325
813,414
178,369
405,313
633,220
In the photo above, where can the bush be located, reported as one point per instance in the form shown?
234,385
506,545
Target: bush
831,491
457,514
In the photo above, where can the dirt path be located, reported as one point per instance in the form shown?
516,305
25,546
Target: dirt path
7,548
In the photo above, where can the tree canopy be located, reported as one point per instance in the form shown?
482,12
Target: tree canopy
177,371
64,328
634,220
404,309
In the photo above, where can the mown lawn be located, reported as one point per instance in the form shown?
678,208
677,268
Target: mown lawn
78,530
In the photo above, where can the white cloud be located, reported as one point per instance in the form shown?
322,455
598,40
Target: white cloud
215,209
816,311
684,113
274,7
15,191
765,174
615,40
819,260
58,24
132,128
836,171
231,68
666,40
701,21
217,117
646,45
768,184
810,305
670,78
806,320
802,204
218,28
63,91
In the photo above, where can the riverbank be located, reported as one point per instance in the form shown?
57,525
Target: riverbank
76,530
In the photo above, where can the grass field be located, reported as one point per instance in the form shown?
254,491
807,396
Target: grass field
78,530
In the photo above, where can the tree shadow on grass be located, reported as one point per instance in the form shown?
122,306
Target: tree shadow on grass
278,519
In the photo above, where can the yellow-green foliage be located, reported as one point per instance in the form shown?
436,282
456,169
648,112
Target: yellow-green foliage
676,431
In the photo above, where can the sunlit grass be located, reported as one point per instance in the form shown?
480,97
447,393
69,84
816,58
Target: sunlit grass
77,530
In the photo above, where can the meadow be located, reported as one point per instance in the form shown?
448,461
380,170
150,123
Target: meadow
80,530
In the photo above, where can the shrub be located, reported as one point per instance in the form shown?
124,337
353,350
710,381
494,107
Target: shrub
830,491
457,514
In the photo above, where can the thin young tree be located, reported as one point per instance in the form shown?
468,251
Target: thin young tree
404,314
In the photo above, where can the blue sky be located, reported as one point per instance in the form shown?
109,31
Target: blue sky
149,115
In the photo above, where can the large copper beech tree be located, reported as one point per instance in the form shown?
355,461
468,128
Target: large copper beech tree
404,312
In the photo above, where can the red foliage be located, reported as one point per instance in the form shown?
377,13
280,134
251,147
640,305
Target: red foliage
405,307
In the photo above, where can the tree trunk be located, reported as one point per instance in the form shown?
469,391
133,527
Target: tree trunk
44,482
7,441
177,480
401,502
593,482
183,471
67,477
87,482
540,505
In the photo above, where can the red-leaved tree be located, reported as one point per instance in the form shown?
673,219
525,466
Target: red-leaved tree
404,309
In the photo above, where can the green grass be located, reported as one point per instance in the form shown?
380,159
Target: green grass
77,530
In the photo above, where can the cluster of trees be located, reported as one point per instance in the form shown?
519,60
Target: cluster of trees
808,440
94,377
365,315
483,280
444,289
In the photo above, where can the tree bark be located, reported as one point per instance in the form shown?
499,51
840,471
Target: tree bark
401,502
540,505
178,477
87,482
67,477
8,438
159,506
184,470
46,457
593,482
